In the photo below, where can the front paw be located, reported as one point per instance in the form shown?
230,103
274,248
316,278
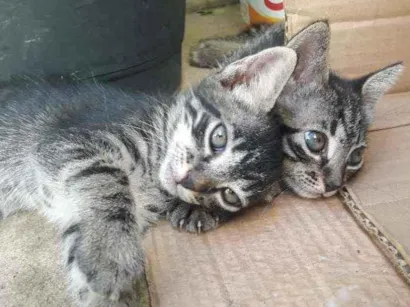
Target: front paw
107,278
193,218
206,54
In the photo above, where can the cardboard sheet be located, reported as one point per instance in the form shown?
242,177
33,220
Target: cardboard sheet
353,10
296,253
382,193
393,111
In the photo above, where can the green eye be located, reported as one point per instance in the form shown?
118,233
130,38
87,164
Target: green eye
230,197
219,139
356,157
315,140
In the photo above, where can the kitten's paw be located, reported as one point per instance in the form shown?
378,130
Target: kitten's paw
206,54
192,218
105,278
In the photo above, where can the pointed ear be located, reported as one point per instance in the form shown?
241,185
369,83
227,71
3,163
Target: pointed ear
375,85
312,48
257,80
380,82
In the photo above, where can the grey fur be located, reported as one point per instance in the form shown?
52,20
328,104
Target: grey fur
314,99
218,51
103,164
317,99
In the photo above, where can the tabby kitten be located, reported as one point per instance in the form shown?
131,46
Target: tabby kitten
325,117
104,164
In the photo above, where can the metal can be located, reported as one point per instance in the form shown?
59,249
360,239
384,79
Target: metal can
262,11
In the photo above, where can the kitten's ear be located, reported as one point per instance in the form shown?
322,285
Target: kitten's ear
257,80
312,48
375,85
380,82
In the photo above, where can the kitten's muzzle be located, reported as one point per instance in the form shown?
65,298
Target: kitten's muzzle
333,185
197,183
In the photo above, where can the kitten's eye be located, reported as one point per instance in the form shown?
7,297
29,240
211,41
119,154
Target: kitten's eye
315,140
230,197
219,138
355,157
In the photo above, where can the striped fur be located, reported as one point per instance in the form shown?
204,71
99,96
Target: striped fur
103,164
314,100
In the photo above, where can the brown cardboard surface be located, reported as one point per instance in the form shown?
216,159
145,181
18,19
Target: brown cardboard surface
359,47
383,187
392,111
353,10
388,244
395,220
296,253
385,176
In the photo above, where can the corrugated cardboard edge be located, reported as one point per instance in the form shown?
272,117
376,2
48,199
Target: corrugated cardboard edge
390,247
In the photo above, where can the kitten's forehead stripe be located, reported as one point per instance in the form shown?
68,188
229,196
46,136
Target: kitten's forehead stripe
202,123
289,130
342,118
333,127
191,110
208,106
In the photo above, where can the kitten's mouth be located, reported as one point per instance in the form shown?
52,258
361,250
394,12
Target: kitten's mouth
312,195
329,194
307,192
186,195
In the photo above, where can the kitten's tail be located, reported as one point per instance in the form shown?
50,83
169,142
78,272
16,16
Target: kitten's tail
220,51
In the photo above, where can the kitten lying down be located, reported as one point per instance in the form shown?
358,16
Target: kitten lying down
325,117
103,164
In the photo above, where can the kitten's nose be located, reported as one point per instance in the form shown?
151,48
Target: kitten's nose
197,183
332,186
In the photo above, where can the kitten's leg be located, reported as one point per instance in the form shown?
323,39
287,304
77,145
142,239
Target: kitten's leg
196,219
216,51
210,53
102,249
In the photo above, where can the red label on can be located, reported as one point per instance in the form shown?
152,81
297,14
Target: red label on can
274,6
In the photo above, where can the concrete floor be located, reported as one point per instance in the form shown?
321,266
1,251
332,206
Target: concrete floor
30,269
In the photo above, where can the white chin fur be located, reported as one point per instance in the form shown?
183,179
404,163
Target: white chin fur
167,179
295,187
328,194
307,195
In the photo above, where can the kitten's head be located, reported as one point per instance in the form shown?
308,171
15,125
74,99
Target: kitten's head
223,149
326,117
